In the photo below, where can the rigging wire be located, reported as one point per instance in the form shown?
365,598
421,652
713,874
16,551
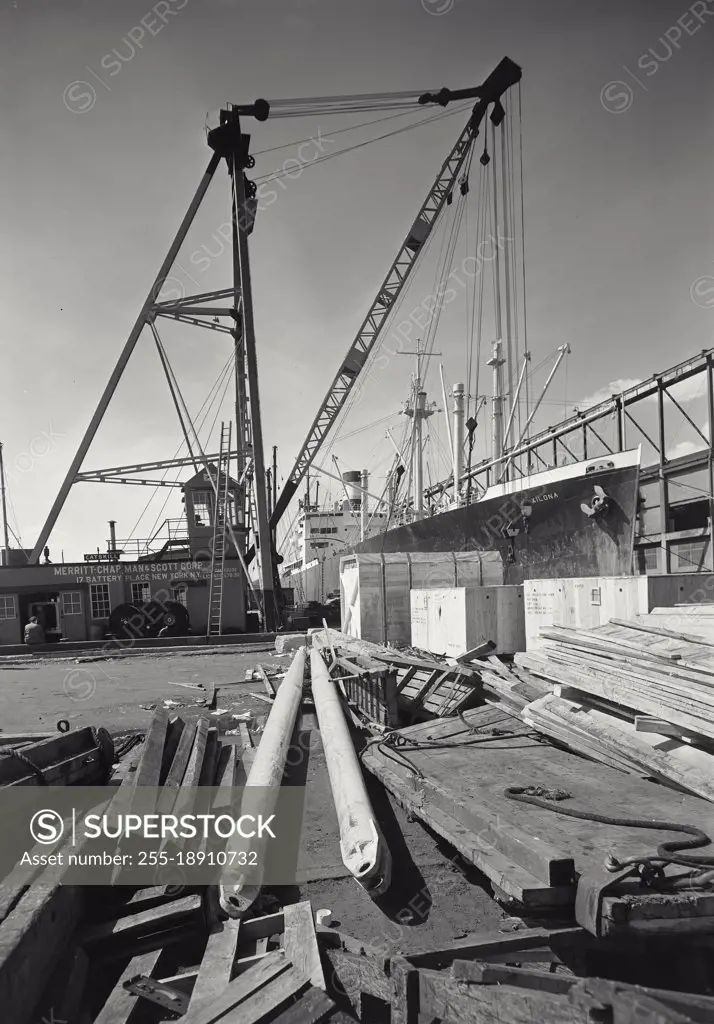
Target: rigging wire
337,131
216,385
276,175
523,247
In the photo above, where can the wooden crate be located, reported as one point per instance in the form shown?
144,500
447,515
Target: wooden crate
452,620
375,589
584,603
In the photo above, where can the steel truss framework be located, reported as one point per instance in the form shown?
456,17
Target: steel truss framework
581,437
489,94
227,310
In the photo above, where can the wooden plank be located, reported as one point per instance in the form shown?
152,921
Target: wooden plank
596,993
448,1000
313,1007
210,759
301,942
495,944
32,941
440,785
174,732
631,1008
64,996
195,762
509,878
122,1007
176,772
238,991
211,696
247,754
148,772
499,974
266,681
216,968
180,911
261,1005
407,678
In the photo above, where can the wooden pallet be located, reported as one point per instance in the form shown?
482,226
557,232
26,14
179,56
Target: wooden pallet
425,689
456,783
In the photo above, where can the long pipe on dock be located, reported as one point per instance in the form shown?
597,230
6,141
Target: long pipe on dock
267,771
364,851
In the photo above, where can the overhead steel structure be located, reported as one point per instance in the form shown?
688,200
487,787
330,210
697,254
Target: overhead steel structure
676,528
488,95
230,310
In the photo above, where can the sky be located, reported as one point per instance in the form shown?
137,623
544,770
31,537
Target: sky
103,111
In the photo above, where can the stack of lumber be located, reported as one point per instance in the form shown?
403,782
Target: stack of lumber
506,684
423,688
636,695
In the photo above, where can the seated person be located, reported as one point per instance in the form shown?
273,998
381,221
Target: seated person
34,633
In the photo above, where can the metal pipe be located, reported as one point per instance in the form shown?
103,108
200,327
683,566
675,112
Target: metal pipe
363,508
562,352
458,439
496,362
267,773
514,403
364,851
446,406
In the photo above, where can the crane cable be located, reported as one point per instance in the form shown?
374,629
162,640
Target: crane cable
216,385
285,172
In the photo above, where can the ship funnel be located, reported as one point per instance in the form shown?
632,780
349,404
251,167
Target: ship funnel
351,481
458,439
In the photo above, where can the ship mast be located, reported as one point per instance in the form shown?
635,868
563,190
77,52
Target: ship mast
496,363
417,409
6,536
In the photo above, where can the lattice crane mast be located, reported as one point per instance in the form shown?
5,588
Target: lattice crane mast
488,94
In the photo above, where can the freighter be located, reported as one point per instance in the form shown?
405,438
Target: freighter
573,520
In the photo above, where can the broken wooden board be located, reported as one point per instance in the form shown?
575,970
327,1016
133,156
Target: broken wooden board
612,739
265,987
458,788
426,688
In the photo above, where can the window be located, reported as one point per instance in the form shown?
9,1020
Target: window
324,529
647,559
203,508
690,556
140,593
7,606
72,603
179,594
99,596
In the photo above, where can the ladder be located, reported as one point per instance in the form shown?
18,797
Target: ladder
218,553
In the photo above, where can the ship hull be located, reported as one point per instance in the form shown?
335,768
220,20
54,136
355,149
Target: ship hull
551,528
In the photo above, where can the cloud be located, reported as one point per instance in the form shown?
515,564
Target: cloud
689,447
685,391
602,395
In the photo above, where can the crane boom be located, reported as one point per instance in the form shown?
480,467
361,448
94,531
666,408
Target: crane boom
489,93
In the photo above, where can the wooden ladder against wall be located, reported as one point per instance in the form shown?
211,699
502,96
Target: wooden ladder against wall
218,554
